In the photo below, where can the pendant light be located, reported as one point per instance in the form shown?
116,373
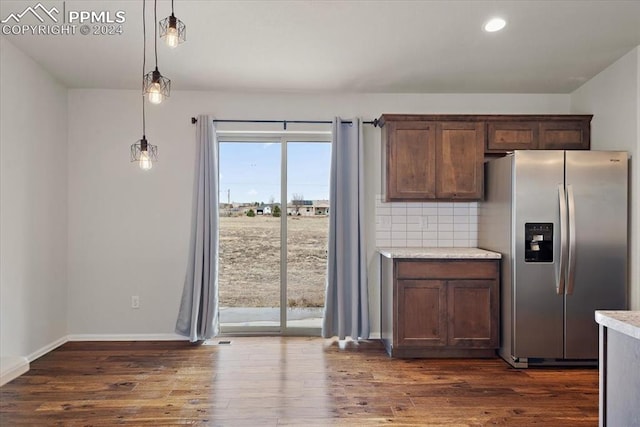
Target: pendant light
173,30
156,87
141,151
144,154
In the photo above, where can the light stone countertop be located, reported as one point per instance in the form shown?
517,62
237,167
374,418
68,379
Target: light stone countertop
436,253
625,322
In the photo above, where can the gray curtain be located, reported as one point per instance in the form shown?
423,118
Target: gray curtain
198,315
346,310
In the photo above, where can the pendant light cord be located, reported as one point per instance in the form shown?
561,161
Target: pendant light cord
144,61
155,28
172,7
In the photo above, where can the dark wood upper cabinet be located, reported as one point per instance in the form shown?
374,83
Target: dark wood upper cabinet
459,160
507,136
411,160
550,132
427,160
440,156
565,135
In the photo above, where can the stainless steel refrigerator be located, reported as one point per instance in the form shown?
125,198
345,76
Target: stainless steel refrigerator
559,218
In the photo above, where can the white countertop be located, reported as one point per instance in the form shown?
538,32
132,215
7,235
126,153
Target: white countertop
626,322
435,253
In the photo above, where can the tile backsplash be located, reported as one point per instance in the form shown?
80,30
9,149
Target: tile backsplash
428,224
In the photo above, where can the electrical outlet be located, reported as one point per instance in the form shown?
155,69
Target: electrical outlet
135,301
424,222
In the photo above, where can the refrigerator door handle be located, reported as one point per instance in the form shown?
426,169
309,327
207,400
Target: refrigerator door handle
572,240
562,267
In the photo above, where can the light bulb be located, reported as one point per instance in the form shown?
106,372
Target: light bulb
155,93
495,24
145,162
172,39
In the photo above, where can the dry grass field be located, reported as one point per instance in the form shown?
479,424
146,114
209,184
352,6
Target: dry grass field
250,261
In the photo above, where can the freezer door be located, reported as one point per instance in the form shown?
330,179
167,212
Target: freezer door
537,306
596,183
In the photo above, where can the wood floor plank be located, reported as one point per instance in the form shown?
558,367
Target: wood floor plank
297,381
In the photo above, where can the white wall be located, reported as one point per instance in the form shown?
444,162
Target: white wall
129,230
33,207
613,97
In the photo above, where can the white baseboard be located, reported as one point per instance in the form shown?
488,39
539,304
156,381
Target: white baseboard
46,349
11,368
126,337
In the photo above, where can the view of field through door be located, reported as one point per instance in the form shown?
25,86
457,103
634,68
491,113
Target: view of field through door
273,254
308,166
249,273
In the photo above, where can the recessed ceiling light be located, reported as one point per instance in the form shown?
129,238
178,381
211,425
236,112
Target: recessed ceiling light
494,24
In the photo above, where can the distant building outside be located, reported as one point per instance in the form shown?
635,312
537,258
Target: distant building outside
308,208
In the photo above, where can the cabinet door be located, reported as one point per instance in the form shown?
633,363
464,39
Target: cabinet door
508,136
410,164
459,160
421,313
564,135
472,313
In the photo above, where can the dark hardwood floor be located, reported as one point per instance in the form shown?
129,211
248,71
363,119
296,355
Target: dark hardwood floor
271,381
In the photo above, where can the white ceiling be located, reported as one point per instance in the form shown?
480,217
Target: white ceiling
348,46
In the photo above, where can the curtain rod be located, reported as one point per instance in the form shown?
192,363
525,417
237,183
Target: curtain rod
373,122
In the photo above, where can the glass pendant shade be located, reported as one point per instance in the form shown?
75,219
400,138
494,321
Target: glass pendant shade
156,87
173,31
144,153
155,94
145,162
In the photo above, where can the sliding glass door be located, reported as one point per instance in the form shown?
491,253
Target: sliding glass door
308,167
250,236
274,216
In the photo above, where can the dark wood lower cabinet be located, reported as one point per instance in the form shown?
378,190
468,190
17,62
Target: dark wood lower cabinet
472,314
424,314
440,308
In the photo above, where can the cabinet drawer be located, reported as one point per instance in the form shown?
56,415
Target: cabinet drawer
441,269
